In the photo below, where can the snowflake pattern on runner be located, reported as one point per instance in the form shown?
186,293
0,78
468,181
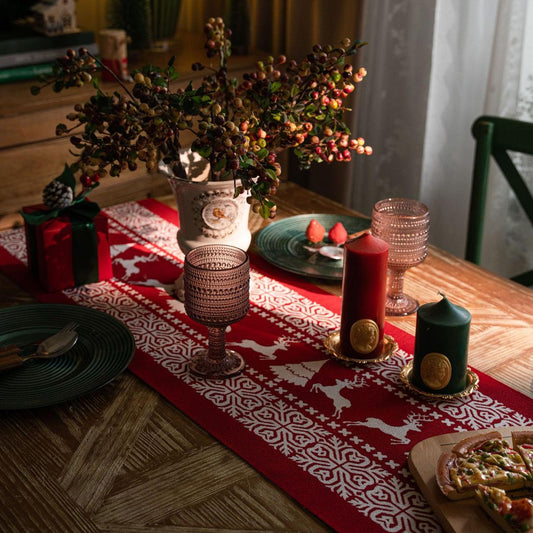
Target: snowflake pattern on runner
341,467
396,507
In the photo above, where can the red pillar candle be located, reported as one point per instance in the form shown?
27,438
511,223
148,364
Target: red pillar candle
364,287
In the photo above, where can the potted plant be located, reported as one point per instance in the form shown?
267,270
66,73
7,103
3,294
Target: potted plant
239,126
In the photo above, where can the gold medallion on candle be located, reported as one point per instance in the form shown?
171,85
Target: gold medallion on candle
364,336
435,370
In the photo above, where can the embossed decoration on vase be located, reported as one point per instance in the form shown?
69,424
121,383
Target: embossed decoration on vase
217,285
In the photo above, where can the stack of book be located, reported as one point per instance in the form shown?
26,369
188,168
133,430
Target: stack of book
25,54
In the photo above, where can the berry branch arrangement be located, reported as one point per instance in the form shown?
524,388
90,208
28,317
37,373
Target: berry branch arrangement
239,125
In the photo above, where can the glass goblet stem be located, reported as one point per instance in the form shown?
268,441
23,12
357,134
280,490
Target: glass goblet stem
398,303
217,343
396,277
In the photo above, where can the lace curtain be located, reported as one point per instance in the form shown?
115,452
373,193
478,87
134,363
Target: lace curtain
490,40
510,94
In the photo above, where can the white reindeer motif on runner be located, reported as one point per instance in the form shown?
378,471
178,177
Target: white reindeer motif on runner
130,265
413,422
266,353
333,392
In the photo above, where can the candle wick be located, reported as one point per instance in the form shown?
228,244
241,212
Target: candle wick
358,235
442,294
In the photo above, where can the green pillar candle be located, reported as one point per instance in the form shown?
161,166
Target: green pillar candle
441,347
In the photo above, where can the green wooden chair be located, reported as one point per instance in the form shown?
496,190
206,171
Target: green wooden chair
494,137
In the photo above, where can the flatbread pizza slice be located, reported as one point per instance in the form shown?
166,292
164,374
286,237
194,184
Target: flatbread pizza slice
523,444
492,449
489,441
446,480
513,516
459,477
507,458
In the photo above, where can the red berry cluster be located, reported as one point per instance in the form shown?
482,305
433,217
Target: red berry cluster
217,38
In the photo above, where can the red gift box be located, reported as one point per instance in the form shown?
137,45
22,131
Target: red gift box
68,251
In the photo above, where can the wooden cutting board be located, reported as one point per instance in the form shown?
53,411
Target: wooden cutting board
463,516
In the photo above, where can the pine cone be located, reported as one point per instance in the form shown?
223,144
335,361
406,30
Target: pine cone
57,195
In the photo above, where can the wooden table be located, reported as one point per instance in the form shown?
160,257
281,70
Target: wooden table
82,466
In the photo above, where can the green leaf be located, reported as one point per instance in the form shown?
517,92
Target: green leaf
355,46
271,173
220,164
264,211
159,82
262,153
67,177
171,61
274,86
205,151
298,108
90,128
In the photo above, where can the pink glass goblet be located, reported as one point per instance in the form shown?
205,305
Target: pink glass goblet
217,287
404,225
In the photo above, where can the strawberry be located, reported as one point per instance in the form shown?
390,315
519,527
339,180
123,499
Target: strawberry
315,231
338,234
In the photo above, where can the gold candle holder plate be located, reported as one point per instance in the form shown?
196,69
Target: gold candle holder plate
472,380
332,345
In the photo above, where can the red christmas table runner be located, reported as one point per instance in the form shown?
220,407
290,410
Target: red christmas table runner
334,438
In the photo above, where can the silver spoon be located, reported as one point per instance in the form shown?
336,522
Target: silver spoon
53,346
331,252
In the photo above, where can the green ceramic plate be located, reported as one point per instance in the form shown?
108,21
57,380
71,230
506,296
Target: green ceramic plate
104,349
282,244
